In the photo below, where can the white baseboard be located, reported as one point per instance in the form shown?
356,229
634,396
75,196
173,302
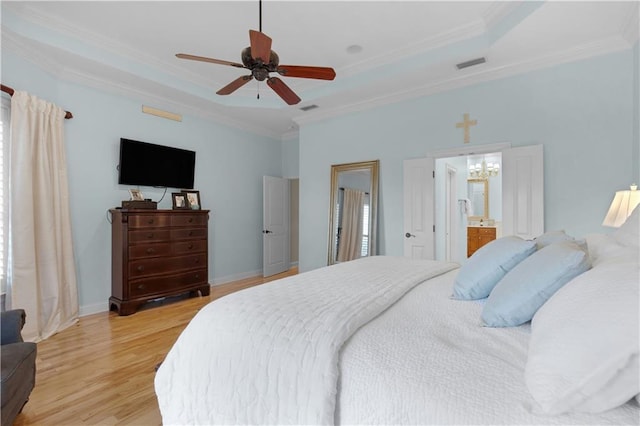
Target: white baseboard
94,308
235,277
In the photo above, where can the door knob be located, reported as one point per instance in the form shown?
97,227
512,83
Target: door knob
408,235
266,231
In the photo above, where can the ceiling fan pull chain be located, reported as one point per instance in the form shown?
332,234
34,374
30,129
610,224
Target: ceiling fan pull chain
258,89
260,13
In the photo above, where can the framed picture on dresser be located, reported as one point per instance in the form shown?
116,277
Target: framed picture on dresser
179,201
193,199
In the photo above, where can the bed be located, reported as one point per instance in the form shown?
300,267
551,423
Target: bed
389,340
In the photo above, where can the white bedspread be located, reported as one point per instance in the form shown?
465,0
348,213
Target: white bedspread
269,355
428,360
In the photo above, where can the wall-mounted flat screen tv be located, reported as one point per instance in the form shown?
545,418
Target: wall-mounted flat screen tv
148,164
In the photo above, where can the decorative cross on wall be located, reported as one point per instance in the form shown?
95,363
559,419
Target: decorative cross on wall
465,124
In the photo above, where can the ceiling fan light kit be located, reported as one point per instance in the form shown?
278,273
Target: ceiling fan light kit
261,61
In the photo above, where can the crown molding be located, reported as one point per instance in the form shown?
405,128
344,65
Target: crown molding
290,135
609,45
21,47
106,44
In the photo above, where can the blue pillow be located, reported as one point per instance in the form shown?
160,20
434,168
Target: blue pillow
482,271
517,297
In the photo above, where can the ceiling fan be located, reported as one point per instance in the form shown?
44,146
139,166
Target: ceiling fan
261,60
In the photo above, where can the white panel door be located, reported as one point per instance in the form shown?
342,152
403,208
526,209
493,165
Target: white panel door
275,231
419,208
523,191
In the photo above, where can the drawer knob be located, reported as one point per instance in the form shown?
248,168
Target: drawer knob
190,246
197,275
140,286
190,219
150,250
190,233
150,221
197,260
150,235
140,268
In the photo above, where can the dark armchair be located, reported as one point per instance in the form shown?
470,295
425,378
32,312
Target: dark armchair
18,360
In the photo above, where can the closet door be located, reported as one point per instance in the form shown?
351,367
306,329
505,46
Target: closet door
275,231
523,191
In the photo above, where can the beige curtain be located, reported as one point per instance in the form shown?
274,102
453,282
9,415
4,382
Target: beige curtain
350,244
43,270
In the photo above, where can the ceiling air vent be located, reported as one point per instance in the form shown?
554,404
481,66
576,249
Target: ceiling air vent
309,107
471,63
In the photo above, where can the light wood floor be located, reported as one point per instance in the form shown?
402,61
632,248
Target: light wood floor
101,370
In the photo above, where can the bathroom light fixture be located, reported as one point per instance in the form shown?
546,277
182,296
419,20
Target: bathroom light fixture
484,170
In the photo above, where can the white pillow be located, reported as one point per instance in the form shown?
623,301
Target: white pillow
603,248
629,233
551,237
584,347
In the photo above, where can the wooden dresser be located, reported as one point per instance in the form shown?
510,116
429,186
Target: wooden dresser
157,253
477,236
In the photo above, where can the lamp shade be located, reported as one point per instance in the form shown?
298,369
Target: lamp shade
621,207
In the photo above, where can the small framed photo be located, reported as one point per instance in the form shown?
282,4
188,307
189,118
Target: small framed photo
136,195
193,198
179,200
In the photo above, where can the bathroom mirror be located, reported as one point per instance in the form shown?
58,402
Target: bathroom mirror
353,211
478,193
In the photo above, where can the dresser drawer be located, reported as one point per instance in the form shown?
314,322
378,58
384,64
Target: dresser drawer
185,247
188,220
149,250
149,220
153,266
149,235
475,231
487,231
188,233
167,283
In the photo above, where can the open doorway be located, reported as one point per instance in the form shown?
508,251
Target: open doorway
517,198
468,195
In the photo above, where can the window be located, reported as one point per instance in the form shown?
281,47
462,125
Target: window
365,228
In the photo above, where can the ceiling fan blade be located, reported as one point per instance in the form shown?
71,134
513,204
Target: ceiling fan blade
320,73
235,85
260,46
283,90
205,59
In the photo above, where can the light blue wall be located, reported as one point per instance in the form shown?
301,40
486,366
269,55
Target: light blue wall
583,114
230,164
290,157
